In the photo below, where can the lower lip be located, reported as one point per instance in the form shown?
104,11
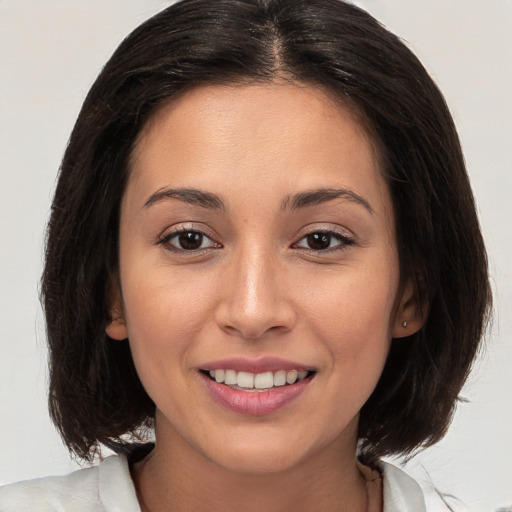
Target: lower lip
254,403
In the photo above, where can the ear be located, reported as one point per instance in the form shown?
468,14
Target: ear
116,328
411,314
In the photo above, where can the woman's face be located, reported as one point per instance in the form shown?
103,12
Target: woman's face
257,246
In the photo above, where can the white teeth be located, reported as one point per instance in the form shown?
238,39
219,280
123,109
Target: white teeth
265,380
301,375
245,380
291,376
280,378
230,377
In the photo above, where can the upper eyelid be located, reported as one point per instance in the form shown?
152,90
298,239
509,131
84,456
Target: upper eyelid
165,241
334,234
345,237
172,234
182,227
323,228
169,232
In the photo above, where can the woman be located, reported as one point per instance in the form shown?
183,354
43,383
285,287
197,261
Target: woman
263,244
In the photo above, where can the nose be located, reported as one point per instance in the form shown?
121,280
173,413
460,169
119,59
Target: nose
255,297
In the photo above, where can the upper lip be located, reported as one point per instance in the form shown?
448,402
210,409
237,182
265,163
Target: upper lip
255,365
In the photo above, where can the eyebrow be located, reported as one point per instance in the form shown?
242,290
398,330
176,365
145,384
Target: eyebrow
323,195
292,202
187,195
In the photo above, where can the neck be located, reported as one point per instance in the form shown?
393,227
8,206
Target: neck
176,476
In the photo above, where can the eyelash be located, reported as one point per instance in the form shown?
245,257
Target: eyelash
344,241
325,235
166,241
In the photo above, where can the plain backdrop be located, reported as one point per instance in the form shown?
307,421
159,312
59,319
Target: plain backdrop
50,53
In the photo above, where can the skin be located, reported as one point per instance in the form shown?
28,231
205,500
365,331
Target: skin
255,287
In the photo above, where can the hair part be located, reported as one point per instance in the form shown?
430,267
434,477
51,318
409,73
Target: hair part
95,395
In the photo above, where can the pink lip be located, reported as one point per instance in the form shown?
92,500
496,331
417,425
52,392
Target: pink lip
258,365
254,403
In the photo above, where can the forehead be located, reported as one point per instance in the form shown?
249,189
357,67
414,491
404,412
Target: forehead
249,109
273,136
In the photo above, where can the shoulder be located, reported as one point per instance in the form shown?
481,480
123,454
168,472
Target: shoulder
53,493
103,488
402,493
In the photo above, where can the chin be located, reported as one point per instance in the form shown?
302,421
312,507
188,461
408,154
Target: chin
265,451
258,461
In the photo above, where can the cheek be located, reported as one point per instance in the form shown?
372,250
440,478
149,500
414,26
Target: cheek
352,315
168,312
161,324
357,308
357,339
161,305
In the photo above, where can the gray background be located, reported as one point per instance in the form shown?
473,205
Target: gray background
50,53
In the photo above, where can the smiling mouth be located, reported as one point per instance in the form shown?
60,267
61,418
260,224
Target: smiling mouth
257,382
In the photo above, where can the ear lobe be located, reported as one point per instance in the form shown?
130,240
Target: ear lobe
116,329
411,315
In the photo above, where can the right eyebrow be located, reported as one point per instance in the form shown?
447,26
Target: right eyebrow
187,195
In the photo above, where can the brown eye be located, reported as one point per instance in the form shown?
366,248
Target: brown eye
319,241
324,241
188,241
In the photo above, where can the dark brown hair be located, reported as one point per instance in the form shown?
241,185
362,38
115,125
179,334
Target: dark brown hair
95,394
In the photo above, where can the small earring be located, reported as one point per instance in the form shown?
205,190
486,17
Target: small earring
404,324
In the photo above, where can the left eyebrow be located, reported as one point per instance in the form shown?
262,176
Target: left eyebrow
187,195
323,195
